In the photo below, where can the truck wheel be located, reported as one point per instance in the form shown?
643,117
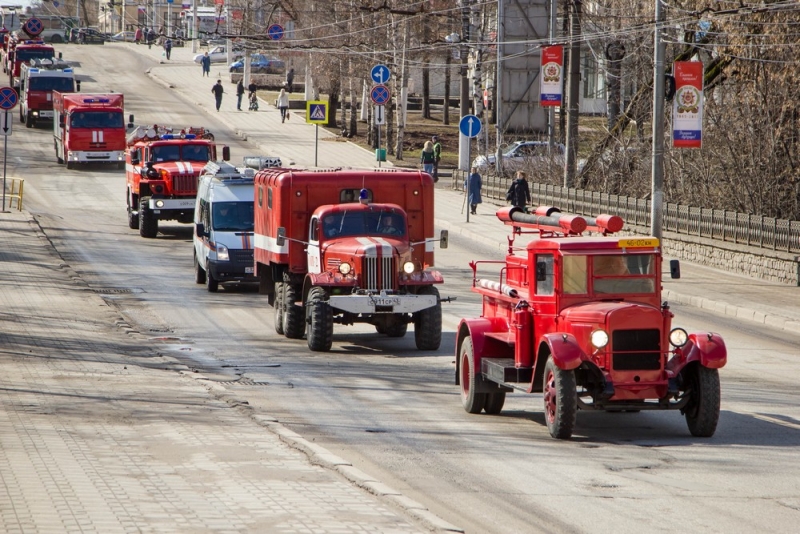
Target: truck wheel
58,158
294,324
211,283
472,401
320,321
702,412
560,400
428,322
495,402
396,326
29,122
199,273
278,307
69,164
133,215
148,224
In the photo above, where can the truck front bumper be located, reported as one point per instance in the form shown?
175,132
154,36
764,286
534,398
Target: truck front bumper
180,204
382,303
85,156
228,271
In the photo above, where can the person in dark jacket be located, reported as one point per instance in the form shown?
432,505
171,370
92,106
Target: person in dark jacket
206,63
218,90
473,188
290,81
168,47
239,94
519,194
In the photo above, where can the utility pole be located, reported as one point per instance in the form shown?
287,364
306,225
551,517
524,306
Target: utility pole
574,92
463,141
551,112
657,185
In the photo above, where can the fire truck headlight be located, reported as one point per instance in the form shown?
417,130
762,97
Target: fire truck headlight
408,267
599,338
159,203
222,252
345,268
158,189
678,337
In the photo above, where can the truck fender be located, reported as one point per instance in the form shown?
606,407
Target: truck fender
476,329
326,279
707,348
564,349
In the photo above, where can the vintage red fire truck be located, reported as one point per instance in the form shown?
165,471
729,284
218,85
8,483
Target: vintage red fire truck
581,319
23,51
89,128
348,246
37,83
162,168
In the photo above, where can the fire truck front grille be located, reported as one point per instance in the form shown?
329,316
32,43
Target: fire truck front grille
378,273
241,257
184,184
636,350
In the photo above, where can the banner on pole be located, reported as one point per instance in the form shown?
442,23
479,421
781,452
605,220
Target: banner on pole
551,76
687,106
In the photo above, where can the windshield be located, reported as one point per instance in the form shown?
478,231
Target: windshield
358,223
612,273
232,216
27,54
50,83
176,152
97,119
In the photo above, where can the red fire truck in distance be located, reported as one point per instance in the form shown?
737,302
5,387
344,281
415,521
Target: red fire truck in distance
348,246
162,168
20,52
37,83
581,319
89,128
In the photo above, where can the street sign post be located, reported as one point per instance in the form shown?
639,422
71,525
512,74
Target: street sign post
6,120
380,115
380,74
8,100
469,126
380,95
275,32
316,114
33,27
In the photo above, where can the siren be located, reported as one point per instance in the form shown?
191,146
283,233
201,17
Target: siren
363,196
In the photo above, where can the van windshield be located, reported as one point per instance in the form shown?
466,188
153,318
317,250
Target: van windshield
27,54
232,216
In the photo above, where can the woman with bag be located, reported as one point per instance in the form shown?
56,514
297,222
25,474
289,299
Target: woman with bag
283,105
427,158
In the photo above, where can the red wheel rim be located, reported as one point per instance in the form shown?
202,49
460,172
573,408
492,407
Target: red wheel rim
464,375
550,397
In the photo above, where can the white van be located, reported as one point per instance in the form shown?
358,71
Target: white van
223,220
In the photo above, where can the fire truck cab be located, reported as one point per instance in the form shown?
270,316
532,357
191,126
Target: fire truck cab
89,128
580,318
348,246
38,80
24,51
162,168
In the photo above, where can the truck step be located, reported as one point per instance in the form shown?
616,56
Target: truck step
502,370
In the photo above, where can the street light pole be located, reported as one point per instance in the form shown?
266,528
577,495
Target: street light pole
657,193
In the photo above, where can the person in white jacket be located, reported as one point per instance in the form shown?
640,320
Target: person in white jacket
283,104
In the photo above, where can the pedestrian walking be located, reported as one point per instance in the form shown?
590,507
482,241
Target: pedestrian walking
218,90
137,37
283,104
151,36
168,47
437,156
473,186
290,80
427,158
239,94
519,194
206,63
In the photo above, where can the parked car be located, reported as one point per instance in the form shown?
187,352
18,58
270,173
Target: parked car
523,155
218,54
90,36
260,63
124,36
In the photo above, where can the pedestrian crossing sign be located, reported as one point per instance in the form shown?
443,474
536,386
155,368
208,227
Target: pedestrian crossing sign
316,112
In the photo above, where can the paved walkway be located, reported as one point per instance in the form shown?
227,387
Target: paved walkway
98,434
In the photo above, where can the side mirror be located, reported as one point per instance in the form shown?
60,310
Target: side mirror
226,153
200,230
130,120
77,86
674,269
444,239
281,239
541,272
135,159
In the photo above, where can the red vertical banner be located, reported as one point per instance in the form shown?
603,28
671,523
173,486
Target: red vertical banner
551,76
687,106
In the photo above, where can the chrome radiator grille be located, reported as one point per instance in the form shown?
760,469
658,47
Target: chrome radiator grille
184,184
378,273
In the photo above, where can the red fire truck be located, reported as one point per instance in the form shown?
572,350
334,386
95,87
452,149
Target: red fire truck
89,128
37,83
162,167
20,52
348,246
581,319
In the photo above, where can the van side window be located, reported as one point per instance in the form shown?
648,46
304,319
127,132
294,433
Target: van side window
260,196
204,217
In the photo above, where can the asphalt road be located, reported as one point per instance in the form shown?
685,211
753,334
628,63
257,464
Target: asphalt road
394,411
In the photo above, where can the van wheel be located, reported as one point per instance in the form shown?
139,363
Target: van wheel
148,224
279,289
320,321
472,401
211,284
29,122
199,273
56,39
294,325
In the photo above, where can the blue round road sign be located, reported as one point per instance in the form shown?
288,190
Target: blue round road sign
275,32
8,97
380,94
380,74
33,27
469,126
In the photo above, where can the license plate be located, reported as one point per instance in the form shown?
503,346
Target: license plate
387,301
248,270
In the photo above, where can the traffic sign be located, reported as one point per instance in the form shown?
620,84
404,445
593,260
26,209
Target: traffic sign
317,111
380,74
6,120
380,115
33,27
8,98
380,94
275,32
469,126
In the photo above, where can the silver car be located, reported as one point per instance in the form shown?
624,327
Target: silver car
523,155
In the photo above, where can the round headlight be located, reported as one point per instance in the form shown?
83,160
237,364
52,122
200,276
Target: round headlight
599,338
678,337
344,268
159,203
408,267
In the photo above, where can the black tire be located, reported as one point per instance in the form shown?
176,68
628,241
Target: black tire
56,39
58,158
279,290
428,322
472,401
320,321
148,224
29,122
69,164
133,215
560,400
702,412
199,272
211,283
396,327
494,402
294,324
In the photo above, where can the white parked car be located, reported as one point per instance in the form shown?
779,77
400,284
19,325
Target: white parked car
523,155
218,54
124,36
